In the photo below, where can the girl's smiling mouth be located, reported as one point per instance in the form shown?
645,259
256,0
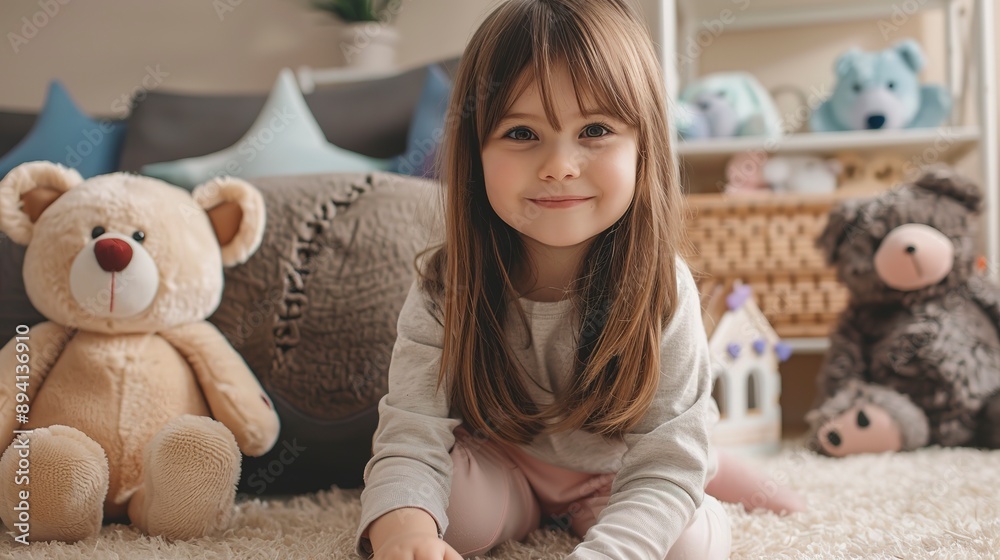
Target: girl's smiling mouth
560,201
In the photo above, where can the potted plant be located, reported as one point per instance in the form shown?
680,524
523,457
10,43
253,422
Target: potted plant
368,39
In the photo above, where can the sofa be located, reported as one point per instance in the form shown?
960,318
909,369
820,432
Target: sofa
314,311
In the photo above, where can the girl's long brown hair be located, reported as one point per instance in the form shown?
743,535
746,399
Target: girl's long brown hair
626,290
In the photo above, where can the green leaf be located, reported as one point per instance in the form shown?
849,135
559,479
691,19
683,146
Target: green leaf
348,10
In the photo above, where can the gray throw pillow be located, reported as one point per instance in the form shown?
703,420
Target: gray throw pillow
370,117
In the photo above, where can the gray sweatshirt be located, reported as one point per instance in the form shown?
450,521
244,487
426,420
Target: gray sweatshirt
662,464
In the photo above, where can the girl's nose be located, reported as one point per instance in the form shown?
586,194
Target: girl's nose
561,163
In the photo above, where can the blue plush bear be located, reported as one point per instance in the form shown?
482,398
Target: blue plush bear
880,90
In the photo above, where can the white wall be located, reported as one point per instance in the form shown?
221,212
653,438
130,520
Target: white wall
105,49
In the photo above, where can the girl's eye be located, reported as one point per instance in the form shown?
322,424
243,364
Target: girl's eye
520,134
596,131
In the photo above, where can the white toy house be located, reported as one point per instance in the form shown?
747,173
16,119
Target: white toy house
745,353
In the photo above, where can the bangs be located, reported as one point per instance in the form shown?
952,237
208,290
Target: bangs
543,38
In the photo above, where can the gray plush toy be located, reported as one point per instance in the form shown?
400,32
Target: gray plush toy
915,357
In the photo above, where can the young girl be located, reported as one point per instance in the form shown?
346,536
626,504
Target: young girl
551,358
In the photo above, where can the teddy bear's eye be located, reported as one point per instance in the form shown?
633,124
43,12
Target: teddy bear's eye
857,88
891,85
139,236
97,232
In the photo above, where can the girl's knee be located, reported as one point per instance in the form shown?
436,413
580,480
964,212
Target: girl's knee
491,501
707,537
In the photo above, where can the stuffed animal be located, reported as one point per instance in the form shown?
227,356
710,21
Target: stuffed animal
131,404
709,115
880,90
754,172
801,174
727,104
915,357
745,173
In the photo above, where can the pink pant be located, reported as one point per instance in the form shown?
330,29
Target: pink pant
498,493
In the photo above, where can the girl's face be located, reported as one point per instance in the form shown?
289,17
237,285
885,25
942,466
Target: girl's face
559,188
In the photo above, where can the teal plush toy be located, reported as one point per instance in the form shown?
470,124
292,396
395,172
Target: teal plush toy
880,90
726,104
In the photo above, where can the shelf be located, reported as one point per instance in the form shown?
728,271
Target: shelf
761,14
818,345
945,144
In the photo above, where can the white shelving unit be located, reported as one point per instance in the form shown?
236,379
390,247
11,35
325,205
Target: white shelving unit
951,142
682,19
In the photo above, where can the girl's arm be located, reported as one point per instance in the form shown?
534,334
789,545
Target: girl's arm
410,466
662,477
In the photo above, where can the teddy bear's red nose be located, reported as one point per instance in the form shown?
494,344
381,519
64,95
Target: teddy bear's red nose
113,254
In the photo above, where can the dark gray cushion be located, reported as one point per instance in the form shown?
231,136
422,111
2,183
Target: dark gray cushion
15,309
370,117
13,128
314,312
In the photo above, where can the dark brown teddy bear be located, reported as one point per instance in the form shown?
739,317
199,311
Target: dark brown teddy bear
915,357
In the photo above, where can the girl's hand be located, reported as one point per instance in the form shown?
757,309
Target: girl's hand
415,546
409,534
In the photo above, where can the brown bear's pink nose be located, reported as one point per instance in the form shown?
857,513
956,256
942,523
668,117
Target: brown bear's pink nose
113,254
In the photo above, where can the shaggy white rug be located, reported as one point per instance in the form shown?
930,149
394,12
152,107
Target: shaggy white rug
933,503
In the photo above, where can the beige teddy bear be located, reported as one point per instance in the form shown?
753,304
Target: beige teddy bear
117,391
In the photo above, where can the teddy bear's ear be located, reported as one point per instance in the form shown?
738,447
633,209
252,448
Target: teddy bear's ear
847,61
838,228
27,191
944,180
911,53
236,210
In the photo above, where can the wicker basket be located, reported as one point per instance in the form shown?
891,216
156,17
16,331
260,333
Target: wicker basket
768,242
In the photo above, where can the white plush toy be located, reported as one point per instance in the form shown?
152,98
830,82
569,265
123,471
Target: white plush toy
802,174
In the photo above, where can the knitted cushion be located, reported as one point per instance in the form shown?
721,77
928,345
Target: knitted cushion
314,314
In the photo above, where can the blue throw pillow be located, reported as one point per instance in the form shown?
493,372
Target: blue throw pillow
65,135
427,126
284,140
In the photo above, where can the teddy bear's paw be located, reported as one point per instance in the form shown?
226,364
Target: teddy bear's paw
55,481
191,469
865,428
